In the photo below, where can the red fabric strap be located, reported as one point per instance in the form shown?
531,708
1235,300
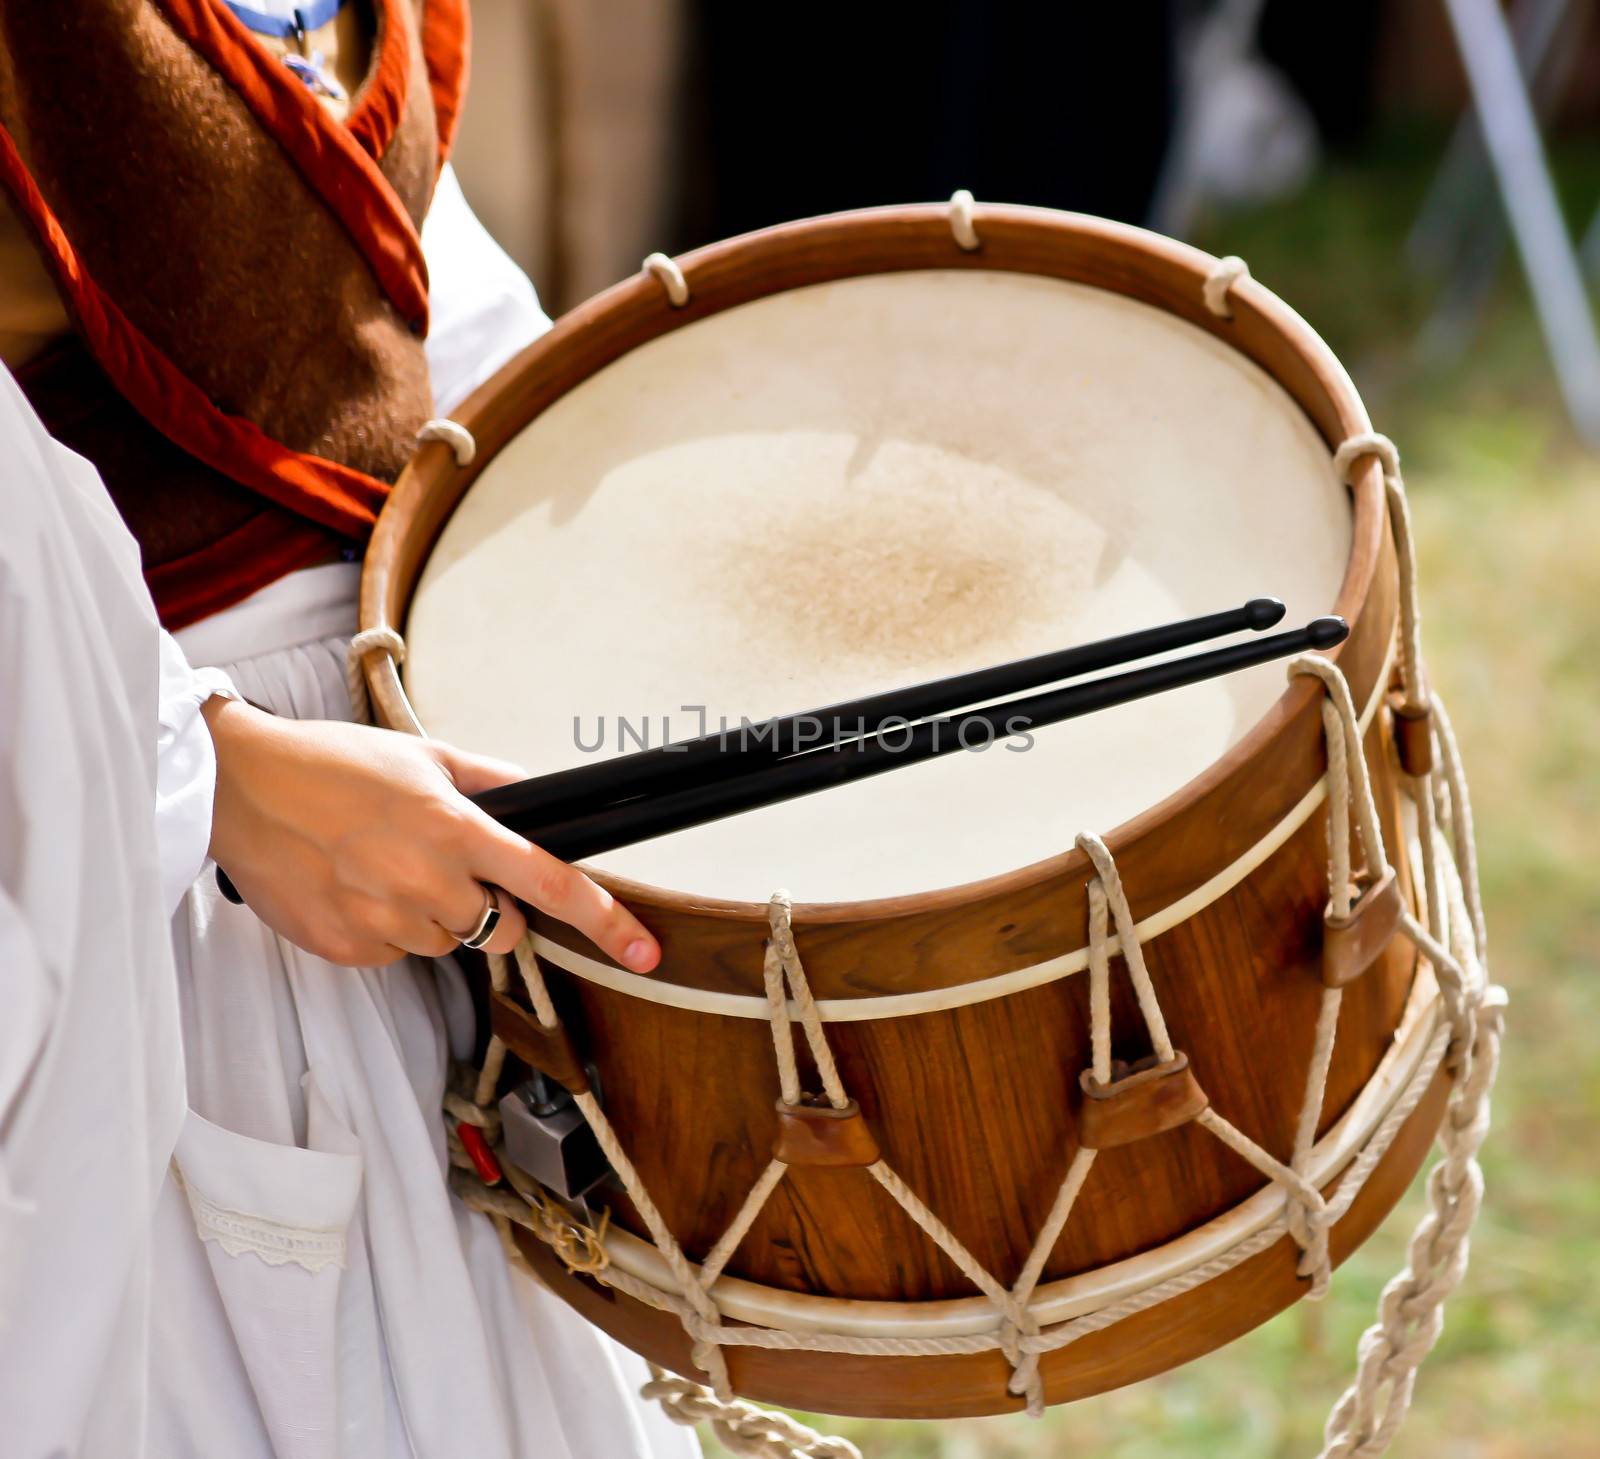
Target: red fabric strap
335,496
267,547
375,117
324,150
446,46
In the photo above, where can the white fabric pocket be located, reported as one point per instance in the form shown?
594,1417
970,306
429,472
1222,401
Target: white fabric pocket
276,1223
278,1203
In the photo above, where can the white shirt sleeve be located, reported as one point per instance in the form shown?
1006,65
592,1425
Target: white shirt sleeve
186,770
91,1058
482,307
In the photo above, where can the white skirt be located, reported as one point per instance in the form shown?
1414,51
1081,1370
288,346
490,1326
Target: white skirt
340,1302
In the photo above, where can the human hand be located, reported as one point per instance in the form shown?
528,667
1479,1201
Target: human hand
360,844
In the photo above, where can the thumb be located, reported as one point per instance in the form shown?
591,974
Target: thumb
472,774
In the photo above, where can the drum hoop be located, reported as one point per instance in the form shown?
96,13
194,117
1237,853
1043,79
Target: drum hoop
865,243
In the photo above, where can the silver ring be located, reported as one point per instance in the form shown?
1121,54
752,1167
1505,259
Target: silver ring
486,923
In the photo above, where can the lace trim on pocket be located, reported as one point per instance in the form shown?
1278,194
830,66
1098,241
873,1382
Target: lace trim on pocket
237,1232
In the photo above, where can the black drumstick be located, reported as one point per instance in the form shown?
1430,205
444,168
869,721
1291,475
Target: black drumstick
577,837
590,788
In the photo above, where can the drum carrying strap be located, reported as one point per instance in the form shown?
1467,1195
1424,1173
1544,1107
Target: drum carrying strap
1369,1413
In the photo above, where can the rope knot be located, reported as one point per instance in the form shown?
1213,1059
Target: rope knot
1309,1226
1368,443
966,236
780,911
465,1112
667,273
453,434
1019,1346
369,640
1225,273
372,639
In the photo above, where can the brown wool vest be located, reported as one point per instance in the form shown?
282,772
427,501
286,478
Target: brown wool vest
242,270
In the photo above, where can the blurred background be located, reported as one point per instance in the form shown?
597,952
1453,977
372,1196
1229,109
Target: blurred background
1341,150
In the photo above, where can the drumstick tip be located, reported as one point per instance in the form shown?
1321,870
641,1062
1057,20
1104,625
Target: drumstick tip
1260,613
1326,632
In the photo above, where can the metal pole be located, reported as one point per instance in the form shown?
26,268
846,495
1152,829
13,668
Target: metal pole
1459,186
1548,257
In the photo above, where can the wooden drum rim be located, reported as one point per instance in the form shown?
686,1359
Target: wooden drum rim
720,940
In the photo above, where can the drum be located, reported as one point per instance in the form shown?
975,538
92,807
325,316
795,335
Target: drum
1051,1066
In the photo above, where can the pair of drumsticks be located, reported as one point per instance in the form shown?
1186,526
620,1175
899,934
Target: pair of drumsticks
581,812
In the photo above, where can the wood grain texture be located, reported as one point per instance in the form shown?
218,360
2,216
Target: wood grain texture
977,1106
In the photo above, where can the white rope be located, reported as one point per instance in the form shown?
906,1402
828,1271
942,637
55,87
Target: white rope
1225,273
1341,729
1132,952
1066,1333
494,1057
1410,1313
1311,1227
666,271
961,206
1459,989
1240,1143
453,434
1432,883
940,1234
1352,771
1461,829
1023,1324
1339,866
740,1427
707,1355
1411,1310
783,957
1345,459
1310,1234
728,1242
1099,985
369,640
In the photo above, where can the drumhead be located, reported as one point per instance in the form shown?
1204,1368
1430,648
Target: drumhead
830,491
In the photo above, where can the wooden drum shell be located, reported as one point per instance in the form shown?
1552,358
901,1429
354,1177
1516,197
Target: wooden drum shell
975,1104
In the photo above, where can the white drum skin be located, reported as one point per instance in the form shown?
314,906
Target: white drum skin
874,481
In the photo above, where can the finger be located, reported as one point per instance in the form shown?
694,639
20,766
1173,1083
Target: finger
508,930
526,871
425,938
463,911
508,933
377,931
472,774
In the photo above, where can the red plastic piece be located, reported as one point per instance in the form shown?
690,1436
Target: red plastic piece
477,1147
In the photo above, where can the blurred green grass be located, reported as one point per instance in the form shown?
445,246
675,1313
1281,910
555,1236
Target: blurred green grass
1507,504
